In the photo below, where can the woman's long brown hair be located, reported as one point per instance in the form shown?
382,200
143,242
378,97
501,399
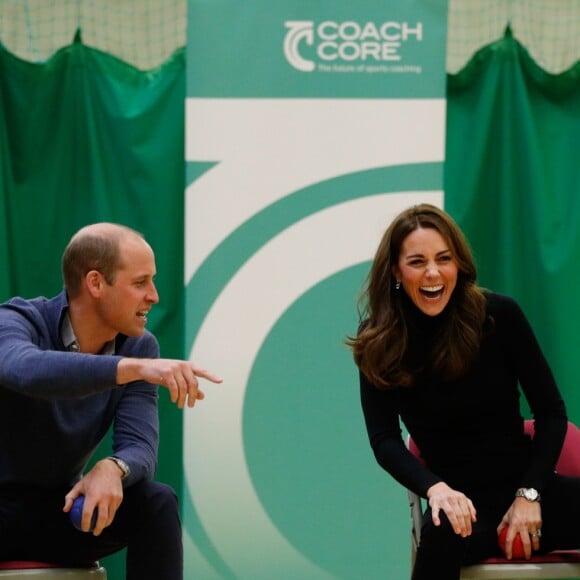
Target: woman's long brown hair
382,340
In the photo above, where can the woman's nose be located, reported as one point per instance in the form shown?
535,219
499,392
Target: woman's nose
432,270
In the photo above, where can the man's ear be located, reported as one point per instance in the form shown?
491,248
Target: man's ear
94,282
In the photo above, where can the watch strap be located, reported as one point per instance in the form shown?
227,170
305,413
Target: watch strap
122,465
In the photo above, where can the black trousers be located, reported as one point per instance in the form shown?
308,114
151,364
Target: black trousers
34,527
442,553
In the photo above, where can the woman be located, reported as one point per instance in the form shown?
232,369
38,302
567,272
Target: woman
446,357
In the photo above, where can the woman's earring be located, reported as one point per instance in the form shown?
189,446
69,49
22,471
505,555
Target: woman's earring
398,285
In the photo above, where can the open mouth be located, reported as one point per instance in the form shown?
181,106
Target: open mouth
432,292
143,314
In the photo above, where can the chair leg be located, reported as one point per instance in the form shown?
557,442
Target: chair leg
413,553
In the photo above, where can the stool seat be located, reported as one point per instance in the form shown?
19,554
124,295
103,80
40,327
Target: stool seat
17,569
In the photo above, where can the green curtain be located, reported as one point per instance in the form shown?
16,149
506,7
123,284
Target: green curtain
512,181
84,138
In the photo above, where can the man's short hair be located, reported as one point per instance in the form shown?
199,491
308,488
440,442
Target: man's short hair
94,247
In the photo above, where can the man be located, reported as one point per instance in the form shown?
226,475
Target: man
70,367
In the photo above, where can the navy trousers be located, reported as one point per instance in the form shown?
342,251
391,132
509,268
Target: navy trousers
34,527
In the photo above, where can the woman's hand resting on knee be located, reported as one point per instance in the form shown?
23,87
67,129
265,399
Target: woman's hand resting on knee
456,505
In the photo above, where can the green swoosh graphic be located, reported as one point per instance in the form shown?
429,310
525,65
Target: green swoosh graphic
226,259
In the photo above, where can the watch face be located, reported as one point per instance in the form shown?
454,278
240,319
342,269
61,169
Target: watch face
531,494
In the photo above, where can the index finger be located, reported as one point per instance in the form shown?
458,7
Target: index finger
68,503
69,499
435,515
206,375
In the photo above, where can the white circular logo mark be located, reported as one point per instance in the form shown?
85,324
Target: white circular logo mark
297,31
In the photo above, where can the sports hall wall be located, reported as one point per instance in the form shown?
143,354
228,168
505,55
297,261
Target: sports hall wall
92,128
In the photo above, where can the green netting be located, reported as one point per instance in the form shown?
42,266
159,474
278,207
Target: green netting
547,28
146,32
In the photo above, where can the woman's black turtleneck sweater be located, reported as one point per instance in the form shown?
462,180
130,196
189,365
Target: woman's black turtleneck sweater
470,430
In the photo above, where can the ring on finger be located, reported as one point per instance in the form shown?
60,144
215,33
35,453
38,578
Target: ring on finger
537,534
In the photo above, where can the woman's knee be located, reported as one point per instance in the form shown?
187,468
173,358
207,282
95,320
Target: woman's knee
440,537
440,550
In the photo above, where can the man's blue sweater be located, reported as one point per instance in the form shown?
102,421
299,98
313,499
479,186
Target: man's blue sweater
56,406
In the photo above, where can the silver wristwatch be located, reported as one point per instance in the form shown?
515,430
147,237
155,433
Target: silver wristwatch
122,466
529,493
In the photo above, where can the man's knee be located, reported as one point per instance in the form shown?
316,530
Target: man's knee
153,500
